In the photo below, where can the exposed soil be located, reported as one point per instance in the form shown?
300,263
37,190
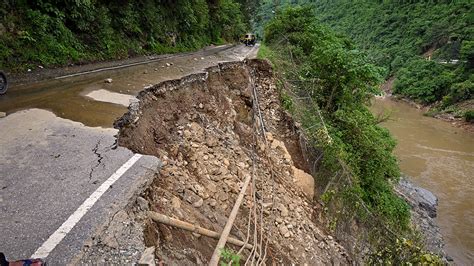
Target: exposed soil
206,128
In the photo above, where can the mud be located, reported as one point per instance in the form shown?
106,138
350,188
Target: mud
67,97
206,128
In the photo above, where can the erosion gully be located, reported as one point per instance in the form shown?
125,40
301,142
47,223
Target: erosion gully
439,157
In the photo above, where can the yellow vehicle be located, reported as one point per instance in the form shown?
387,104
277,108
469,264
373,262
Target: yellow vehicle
249,39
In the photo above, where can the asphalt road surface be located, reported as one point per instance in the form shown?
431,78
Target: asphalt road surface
61,176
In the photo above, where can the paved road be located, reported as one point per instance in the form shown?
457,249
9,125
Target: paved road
57,155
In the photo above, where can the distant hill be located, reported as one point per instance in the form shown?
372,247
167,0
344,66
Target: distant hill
427,45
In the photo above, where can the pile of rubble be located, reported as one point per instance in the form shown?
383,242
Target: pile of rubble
211,133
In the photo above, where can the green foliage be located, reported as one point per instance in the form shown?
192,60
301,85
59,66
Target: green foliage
339,80
467,53
332,82
469,116
423,80
286,101
52,32
229,257
415,256
395,34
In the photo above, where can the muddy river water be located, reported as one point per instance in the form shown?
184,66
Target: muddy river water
439,157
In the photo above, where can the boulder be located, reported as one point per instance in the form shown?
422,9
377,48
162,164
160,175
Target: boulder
419,197
305,181
148,257
424,205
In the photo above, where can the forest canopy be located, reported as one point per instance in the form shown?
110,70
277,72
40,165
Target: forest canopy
52,32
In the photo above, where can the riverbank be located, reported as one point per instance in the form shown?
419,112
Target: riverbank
439,157
452,114
454,120
424,205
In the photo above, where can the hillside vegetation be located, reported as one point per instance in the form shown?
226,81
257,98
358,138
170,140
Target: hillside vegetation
326,84
50,32
427,46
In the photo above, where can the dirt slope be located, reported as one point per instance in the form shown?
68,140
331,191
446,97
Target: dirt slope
207,130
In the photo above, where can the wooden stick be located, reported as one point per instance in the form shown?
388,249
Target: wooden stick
225,233
161,218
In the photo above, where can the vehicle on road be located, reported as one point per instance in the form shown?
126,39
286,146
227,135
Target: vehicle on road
249,39
3,83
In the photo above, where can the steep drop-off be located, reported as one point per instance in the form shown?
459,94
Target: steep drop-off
207,129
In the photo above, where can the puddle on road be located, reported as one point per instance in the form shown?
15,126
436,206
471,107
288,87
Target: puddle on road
110,97
67,97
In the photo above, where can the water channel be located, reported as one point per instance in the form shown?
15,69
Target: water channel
440,158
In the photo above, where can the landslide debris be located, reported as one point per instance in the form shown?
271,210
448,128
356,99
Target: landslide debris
206,128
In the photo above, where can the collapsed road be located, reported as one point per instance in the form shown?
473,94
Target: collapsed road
61,175
225,142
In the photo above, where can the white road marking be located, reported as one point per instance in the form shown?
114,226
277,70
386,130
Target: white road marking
68,225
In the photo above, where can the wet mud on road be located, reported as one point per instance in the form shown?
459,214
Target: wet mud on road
67,98
58,148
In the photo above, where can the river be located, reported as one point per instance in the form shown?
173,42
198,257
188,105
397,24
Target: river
440,158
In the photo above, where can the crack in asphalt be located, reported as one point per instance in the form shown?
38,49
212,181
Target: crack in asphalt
99,160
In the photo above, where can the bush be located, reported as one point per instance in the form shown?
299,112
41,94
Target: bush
340,82
469,116
51,32
423,80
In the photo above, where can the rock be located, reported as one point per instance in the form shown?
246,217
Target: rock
424,205
419,197
212,202
145,72
143,204
176,202
284,231
198,203
148,257
211,187
226,162
269,136
168,64
109,80
187,134
201,106
242,165
283,210
305,181
3,114
222,196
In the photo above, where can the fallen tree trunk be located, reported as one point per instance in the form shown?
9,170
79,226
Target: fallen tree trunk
161,218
